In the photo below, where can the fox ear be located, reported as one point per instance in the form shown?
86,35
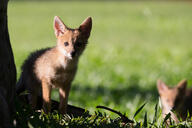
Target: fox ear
85,27
182,85
161,86
59,26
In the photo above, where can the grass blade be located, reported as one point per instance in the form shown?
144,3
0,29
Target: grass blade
155,115
166,118
138,125
145,121
139,110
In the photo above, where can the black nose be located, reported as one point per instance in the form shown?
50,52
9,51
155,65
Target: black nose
73,53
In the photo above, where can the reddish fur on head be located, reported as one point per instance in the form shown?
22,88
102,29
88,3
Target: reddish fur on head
171,98
71,42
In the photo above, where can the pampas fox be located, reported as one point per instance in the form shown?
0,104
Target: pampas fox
178,98
56,66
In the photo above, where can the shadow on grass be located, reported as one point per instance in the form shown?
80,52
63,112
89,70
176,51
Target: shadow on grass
86,93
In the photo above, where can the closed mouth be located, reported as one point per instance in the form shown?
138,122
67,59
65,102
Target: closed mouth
69,56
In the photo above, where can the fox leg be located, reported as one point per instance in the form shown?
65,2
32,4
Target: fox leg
46,92
34,96
33,90
64,93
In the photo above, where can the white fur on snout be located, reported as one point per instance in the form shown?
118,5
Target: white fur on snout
64,52
69,55
166,106
167,109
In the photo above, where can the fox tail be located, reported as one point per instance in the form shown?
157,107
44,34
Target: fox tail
20,87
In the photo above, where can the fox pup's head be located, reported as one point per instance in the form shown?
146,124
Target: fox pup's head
72,42
171,98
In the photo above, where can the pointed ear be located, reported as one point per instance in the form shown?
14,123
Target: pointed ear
85,27
182,85
59,27
161,87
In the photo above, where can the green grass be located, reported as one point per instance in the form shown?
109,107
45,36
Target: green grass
132,45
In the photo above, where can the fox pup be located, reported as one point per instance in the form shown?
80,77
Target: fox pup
178,98
55,67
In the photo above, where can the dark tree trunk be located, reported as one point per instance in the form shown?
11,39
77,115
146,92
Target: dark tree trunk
7,70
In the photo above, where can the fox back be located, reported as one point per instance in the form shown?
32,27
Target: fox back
178,99
56,66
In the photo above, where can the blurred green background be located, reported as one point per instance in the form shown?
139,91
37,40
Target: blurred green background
132,45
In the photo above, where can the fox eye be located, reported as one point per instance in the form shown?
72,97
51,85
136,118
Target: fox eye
66,43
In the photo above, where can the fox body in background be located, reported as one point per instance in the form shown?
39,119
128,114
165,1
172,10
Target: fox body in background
178,98
56,66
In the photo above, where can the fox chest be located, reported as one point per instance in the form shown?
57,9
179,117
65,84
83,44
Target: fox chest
63,77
